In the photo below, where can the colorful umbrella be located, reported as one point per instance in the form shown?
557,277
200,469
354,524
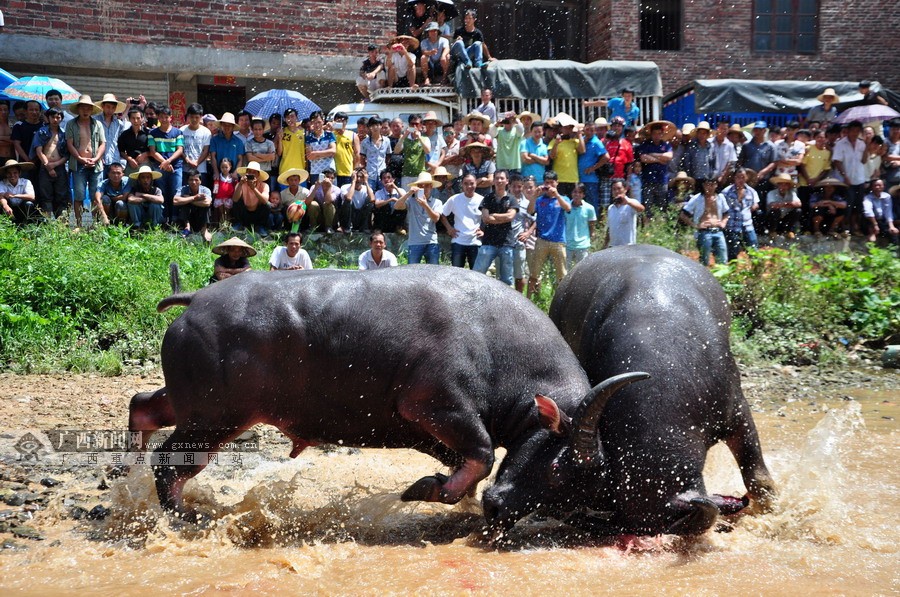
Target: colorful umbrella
867,113
276,101
6,79
35,88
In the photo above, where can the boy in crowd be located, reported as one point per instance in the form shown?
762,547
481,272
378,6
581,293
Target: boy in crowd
580,222
621,217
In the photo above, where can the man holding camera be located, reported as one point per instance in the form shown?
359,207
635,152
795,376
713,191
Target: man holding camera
414,147
564,152
251,196
550,209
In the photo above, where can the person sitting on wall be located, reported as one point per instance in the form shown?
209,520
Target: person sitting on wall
371,74
401,62
435,55
469,47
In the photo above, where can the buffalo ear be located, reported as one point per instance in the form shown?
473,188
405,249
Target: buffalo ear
551,417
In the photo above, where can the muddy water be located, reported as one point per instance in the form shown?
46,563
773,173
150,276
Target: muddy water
331,523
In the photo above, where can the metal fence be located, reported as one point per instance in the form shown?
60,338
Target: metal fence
547,108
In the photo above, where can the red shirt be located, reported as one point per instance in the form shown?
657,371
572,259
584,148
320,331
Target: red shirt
621,153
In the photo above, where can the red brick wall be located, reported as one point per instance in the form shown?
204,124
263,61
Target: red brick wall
319,27
858,39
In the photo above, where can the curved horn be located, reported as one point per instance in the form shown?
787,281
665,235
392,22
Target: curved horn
586,447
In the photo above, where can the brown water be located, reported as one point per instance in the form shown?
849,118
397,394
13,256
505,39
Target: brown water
332,524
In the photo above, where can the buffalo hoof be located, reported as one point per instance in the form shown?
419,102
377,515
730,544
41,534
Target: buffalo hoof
426,489
701,514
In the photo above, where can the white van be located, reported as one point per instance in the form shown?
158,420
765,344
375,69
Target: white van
387,111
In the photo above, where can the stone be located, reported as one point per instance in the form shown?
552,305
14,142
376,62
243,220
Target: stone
50,482
98,512
27,532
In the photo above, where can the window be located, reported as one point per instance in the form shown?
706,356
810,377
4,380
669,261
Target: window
786,26
660,24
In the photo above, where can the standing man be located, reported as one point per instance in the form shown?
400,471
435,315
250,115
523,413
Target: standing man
86,142
847,161
655,154
377,257
53,99
580,222
487,106
24,130
508,143
375,149
167,149
726,154
292,147
534,152
320,146
621,217
134,144
414,147
225,144
789,151
590,163
424,210
564,152
113,126
52,154
196,144
699,160
436,139
498,210
346,149
550,208
465,231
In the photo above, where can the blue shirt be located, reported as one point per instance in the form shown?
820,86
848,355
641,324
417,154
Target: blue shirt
653,173
226,148
593,151
578,227
551,219
167,143
539,149
105,188
617,108
115,128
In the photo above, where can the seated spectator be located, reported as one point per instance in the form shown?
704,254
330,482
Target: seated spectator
465,230
549,209
487,106
828,206
622,106
290,256
435,58
401,62
386,219
415,19
707,213
377,257
878,213
251,199
480,165
580,222
145,199
424,212
469,47
782,206
621,217
17,193
371,75
682,187
444,22
322,201
194,201
294,195
826,112
234,259
357,203
111,199
50,148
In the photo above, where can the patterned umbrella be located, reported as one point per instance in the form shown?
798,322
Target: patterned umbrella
5,80
866,114
34,88
277,101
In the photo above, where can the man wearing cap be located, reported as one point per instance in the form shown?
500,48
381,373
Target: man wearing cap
465,231
414,146
655,153
498,210
534,153
699,160
436,139
371,74
145,199
590,164
196,143
226,145
86,142
564,151
17,198
826,111
549,209
377,257
758,153
435,54
52,153
251,197
423,207
846,161
507,142
193,201
623,107
167,148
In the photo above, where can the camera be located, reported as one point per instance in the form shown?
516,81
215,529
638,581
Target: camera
135,101
250,178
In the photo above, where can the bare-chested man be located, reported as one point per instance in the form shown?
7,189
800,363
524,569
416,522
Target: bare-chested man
251,196
86,141
7,151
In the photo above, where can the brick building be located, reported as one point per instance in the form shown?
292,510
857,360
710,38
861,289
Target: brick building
223,52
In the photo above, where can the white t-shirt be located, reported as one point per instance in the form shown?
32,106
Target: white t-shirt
366,262
23,187
194,142
281,260
622,222
467,217
358,198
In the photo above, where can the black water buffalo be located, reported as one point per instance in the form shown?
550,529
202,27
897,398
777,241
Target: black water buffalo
443,360
646,308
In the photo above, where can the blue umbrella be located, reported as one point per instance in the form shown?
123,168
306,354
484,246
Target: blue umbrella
276,101
35,88
6,79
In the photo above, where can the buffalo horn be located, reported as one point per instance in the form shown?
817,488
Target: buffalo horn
586,447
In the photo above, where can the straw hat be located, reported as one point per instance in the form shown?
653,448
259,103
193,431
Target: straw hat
478,116
564,119
227,118
405,39
222,248
681,177
829,93
487,149
85,100
146,170
424,179
109,98
263,175
13,164
687,129
834,182
442,172
702,126
669,129
303,174
526,114
781,178
432,116
601,122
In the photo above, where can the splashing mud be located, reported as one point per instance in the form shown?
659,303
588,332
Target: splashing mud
330,521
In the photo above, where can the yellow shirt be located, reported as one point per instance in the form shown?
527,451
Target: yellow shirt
566,163
815,161
343,157
293,149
